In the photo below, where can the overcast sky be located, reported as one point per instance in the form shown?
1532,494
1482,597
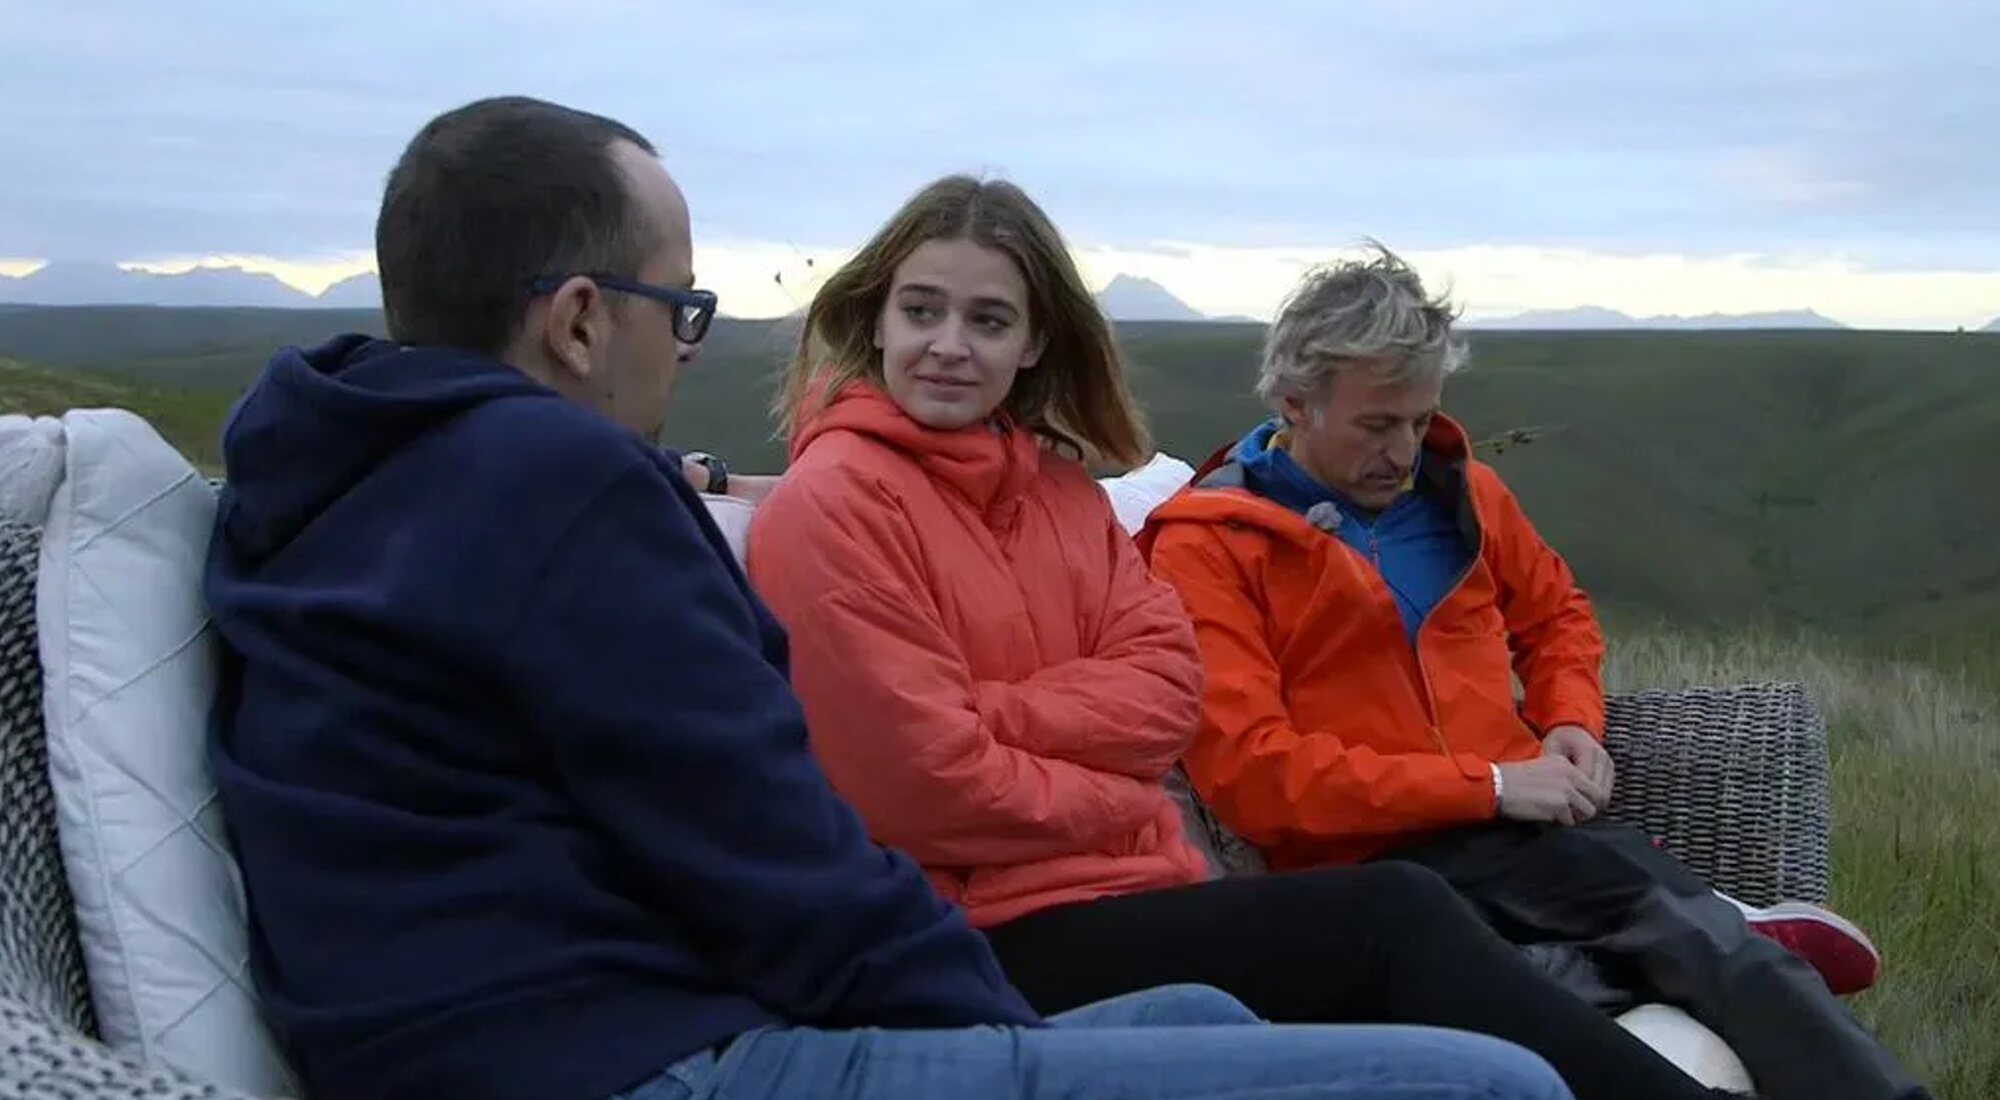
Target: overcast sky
1664,157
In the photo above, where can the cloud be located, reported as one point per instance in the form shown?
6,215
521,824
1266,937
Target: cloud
762,278
1854,130
311,275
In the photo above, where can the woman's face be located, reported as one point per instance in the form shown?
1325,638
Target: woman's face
954,332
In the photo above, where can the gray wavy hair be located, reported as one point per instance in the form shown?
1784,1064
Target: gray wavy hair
1370,311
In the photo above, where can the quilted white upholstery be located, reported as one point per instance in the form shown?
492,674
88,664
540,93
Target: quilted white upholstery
732,515
128,670
1135,495
31,463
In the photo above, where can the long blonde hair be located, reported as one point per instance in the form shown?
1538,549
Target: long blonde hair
1075,397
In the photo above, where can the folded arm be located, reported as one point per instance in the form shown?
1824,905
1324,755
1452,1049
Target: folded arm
1131,704
897,720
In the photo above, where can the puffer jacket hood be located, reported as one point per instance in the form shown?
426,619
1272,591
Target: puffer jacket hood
990,465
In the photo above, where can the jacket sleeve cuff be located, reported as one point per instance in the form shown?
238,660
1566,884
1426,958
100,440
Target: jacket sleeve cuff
1482,788
1593,726
1565,713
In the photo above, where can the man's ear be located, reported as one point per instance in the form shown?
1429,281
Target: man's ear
1292,410
576,326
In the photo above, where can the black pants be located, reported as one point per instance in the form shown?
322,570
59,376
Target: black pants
1655,927
1385,943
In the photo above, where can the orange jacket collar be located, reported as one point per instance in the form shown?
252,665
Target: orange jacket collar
1200,502
990,464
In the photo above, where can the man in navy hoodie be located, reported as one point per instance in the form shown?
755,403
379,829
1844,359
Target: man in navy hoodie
523,802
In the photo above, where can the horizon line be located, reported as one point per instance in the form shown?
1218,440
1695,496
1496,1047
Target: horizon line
748,266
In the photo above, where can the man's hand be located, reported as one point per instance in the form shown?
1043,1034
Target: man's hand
751,487
1576,745
696,474
1549,789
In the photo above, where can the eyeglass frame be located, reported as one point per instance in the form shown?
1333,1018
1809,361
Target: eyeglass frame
704,302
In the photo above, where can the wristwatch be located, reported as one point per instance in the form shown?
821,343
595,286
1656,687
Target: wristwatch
718,471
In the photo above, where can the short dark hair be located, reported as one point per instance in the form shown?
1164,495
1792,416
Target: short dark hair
491,195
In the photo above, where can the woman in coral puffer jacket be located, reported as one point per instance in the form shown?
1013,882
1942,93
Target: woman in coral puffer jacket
993,679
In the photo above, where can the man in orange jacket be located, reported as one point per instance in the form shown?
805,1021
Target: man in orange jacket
1365,593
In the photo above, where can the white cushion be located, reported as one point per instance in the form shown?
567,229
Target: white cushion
732,514
1682,1040
1135,495
31,464
128,661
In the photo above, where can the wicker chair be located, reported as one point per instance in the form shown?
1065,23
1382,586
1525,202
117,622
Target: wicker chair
1734,780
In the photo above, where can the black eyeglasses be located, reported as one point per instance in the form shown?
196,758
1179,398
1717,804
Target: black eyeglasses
693,309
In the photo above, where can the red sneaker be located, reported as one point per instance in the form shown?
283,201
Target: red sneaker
1841,952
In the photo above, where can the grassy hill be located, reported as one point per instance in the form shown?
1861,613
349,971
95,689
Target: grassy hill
192,348
189,419
1843,479
1838,478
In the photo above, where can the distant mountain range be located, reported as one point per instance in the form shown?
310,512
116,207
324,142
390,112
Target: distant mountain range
1597,317
75,283
363,291
70,283
1992,326
1131,298
1124,298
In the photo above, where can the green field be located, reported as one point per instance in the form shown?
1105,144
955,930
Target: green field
1837,479
1816,506
1833,478
190,419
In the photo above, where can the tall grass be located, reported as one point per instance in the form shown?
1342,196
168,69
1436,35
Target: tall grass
1916,827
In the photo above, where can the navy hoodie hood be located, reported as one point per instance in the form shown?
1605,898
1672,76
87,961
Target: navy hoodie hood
319,420
522,799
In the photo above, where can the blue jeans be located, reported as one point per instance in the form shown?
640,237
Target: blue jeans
1171,1043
